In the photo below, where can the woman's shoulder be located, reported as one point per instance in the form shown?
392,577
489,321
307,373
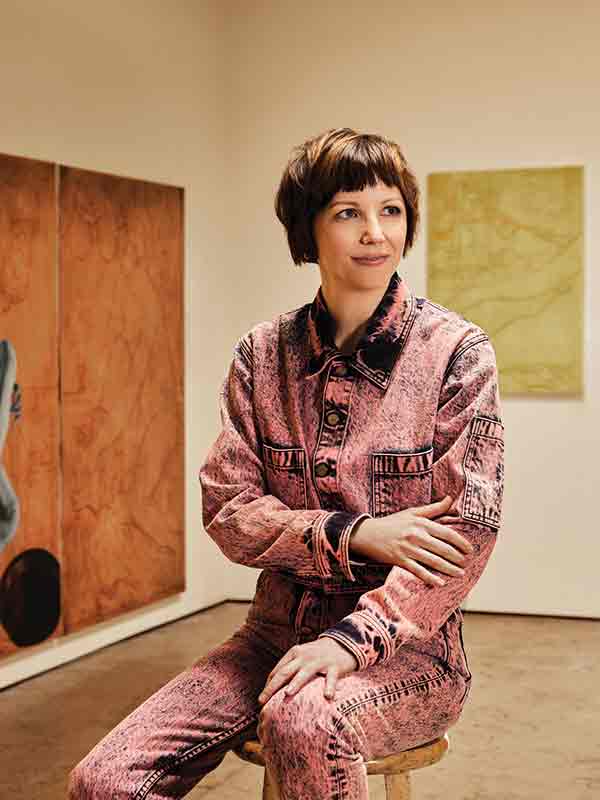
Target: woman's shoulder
446,321
268,334
283,322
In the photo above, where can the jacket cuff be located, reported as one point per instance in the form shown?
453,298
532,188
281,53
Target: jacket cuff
331,538
364,636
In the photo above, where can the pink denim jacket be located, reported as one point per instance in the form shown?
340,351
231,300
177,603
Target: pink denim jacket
313,441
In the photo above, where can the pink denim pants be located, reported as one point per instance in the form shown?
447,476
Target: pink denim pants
315,746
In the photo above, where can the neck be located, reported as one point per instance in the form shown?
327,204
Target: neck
351,311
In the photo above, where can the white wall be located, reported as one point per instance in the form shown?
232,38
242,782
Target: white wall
212,96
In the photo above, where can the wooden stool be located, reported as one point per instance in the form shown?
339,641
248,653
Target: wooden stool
396,767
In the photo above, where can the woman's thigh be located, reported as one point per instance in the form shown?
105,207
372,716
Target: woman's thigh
410,700
184,730
321,744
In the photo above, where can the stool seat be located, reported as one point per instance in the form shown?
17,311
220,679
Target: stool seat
395,766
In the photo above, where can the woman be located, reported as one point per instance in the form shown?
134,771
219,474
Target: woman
359,466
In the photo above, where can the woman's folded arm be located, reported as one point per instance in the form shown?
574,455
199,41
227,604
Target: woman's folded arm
249,525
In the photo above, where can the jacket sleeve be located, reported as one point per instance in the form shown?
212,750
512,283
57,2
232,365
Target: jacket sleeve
468,464
249,525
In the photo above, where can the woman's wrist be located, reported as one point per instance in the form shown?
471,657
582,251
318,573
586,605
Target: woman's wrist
359,537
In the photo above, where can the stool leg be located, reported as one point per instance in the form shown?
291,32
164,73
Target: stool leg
270,791
397,787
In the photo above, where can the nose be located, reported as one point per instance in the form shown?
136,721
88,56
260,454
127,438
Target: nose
373,231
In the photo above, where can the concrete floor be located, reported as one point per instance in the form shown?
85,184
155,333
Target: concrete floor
530,730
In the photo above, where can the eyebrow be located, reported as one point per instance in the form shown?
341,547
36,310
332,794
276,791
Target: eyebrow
354,203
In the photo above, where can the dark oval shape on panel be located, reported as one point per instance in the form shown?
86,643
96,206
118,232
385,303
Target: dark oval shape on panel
30,597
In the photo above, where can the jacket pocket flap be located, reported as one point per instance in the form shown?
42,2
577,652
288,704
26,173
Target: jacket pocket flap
291,458
399,463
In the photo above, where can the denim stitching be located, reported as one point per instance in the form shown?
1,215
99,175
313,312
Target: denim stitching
467,680
245,350
478,339
349,706
279,460
467,511
380,473
175,760
398,687
446,656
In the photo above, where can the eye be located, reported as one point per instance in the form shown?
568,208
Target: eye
396,208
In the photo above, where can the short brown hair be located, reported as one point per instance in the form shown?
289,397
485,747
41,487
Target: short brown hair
340,159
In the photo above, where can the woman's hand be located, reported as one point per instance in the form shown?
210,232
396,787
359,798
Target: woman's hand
303,661
410,539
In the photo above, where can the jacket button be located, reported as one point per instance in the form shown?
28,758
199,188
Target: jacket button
333,418
322,469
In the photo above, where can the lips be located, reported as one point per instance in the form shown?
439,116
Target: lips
371,259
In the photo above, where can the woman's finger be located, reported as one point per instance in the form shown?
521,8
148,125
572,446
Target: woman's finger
289,656
420,572
277,678
301,678
444,533
330,682
422,555
282,664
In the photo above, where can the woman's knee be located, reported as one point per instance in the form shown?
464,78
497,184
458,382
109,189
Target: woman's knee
291,718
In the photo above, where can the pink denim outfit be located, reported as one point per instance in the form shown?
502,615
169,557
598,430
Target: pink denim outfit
312,442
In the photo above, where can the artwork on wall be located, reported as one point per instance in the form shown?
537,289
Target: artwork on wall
91,398
505,250
10,403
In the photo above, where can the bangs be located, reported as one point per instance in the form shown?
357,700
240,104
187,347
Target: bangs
353,164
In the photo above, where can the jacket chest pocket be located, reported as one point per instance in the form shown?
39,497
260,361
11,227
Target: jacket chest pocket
400,480
285,469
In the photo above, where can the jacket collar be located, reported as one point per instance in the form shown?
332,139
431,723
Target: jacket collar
381,343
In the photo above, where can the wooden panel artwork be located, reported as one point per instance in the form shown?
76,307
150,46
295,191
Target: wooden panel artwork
122,357
91,398
30,552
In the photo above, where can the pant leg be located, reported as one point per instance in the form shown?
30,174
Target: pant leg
183,731
316,747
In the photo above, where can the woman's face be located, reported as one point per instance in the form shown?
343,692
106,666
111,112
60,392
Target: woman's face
354,224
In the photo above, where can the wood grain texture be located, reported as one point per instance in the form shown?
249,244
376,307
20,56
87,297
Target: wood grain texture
28,319
122,357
